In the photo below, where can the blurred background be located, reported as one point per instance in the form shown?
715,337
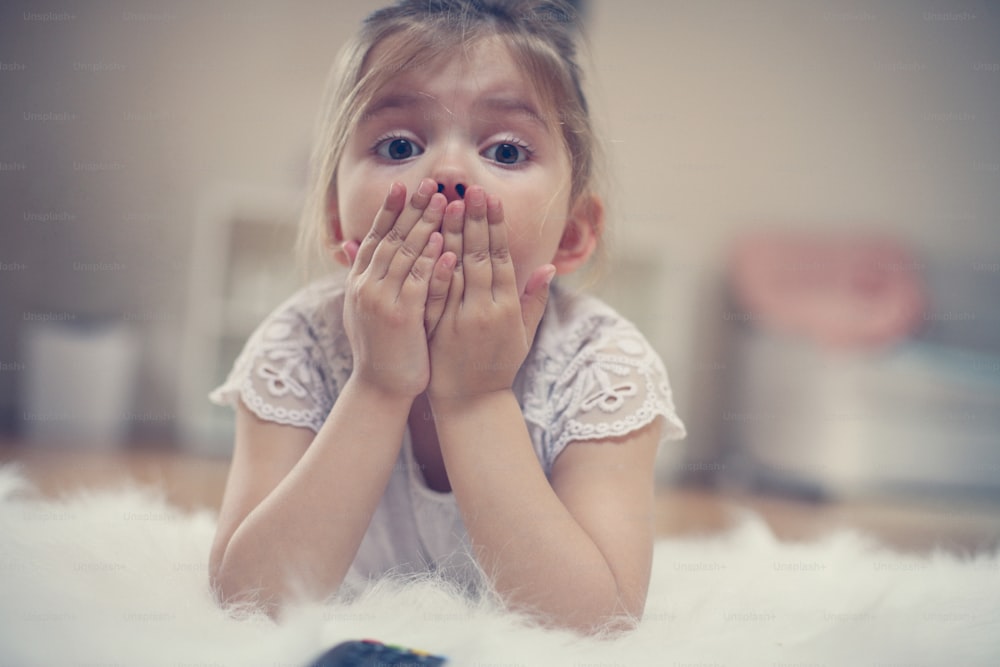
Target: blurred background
804,204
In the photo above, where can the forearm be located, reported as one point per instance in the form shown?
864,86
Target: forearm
307,531
524,537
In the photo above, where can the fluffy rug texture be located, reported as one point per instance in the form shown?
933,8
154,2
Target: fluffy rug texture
118,577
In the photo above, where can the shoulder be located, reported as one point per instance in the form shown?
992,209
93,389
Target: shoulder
314,314
592,375
295,362
577,319
317,303
308,323
579,327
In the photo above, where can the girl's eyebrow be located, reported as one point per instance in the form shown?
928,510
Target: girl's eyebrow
513,105
393,101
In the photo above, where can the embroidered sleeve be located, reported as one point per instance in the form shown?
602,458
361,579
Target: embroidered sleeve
614,385
282,373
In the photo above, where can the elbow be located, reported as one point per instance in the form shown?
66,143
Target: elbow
598,610
599,623
249,583
221,585
235,592
226,589
220,579
611,610
241,599
607,621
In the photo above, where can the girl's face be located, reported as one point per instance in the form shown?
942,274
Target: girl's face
471,120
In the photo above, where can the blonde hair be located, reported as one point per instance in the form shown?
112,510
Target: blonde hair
541,36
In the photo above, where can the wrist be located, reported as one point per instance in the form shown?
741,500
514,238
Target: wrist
443,405
378,396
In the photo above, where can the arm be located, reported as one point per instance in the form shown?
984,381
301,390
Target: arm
305,530
292,522
577,552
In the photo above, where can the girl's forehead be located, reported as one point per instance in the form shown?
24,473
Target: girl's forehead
484,67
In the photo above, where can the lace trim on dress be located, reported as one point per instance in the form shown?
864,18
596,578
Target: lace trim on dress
278,374
590,374
614,384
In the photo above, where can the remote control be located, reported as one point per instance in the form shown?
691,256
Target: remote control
373,653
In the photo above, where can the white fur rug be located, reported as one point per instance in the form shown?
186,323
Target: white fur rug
118,577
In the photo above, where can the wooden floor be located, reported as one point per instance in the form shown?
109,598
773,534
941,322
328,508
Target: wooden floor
192,482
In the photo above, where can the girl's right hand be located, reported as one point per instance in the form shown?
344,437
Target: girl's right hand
396,272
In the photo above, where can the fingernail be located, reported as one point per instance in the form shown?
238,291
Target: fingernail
437,203
549,275
394,189
427,186
476,196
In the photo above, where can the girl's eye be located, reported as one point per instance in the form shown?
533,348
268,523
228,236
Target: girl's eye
397,148
506,153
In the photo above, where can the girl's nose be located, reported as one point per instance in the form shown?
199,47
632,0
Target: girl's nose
452,190
450,167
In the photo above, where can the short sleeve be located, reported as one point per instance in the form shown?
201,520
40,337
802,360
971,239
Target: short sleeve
593,376
284,372
614,386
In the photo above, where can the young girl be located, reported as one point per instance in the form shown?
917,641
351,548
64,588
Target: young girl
443,408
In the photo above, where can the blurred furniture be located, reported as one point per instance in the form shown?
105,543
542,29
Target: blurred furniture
877,399
80,380
242,267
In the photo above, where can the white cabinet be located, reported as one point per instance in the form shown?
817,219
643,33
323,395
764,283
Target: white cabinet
242,266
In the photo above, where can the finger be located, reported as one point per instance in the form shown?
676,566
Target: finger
437,291
350,250
476,263
415,285
395,236
384,220
451,228
535,297
504,280
410,250
456,292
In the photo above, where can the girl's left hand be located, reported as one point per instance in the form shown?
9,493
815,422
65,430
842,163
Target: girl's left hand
484,329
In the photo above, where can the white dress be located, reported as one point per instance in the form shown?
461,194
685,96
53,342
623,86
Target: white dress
589,375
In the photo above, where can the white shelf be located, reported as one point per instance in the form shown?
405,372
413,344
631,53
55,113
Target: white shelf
242,268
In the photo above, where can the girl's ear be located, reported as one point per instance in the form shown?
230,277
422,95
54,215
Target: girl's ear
335,233
584,229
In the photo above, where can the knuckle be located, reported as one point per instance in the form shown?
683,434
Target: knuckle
408,252
478,256
483,324
363,305
396,317
368,298
501,254
417,273
393,236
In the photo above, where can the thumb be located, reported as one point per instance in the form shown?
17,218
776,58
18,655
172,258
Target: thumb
350,248
536,295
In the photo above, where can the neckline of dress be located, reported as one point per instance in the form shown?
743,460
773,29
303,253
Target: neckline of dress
416,477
